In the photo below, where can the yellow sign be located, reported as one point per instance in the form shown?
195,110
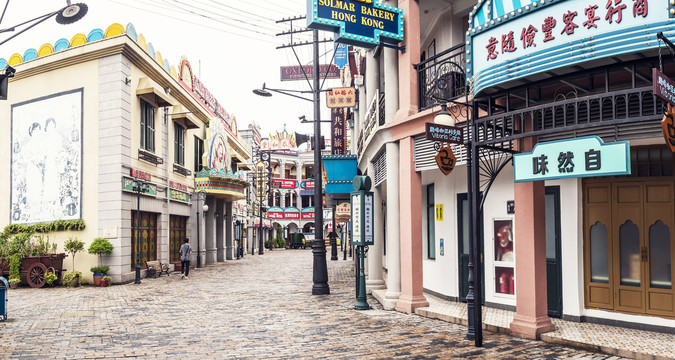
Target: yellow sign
439,212
341,98
260,180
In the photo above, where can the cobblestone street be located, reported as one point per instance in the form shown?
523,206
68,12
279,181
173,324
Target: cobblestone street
259,307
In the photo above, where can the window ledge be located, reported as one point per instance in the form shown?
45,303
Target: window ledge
181,170
149,157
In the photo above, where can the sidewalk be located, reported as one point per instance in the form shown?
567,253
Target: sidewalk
637,344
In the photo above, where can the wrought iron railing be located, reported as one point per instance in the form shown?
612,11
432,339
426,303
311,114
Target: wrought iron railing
372,120
381,105
618,115
441,77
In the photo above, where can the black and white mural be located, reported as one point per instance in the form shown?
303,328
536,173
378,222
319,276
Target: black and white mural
46,156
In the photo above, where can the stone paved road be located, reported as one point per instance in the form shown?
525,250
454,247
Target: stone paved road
259,307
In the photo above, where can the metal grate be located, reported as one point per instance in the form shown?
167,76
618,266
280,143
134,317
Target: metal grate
425,153
380,165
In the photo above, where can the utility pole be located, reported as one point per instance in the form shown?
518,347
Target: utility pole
320,267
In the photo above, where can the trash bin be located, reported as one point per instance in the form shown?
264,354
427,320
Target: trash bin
4,285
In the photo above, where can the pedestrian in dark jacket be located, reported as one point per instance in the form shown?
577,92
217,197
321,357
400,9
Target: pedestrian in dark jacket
185,252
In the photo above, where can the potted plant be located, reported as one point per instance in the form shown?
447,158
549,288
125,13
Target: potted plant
51,278
100,246
72,279
14,282
72,246
99,271
105,280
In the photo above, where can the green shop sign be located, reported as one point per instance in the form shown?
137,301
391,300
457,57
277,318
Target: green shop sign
129,184
179,195
364,23
580,157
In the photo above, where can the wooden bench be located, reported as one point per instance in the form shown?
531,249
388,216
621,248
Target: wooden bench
156,268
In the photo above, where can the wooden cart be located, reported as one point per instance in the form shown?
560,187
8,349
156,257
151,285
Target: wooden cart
34,268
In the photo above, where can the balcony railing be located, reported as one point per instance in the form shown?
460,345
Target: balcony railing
441,77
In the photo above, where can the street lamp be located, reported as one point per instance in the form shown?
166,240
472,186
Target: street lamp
320,267
139,186
66,15
200,196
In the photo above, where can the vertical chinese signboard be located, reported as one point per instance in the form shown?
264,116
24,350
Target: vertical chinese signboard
337,120
362,212
580,157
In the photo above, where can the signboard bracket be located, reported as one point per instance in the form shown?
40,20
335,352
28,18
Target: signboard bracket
400,48
671,46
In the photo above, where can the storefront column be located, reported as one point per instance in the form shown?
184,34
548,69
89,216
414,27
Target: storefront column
375,279
531,317
407,75
211,232
220,230
410,192
229,230
372,78
393,260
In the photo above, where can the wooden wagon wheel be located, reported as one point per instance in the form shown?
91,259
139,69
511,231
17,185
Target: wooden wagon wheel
36,275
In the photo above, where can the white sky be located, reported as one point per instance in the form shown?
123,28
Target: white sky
229,43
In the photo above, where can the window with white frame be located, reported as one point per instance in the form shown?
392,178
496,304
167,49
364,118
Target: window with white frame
147,126
179,144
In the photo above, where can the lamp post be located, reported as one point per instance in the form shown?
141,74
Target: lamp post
320,267
473,296
200,196
139,186
66,15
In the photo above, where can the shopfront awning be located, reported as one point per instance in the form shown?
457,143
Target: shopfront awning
154,93
230,187
184,117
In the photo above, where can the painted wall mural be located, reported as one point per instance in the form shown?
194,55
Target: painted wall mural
46,159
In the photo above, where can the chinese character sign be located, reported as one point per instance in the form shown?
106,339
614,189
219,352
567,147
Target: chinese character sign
341,98
511,39
337,120
580,157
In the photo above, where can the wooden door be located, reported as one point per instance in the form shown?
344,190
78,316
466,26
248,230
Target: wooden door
553,253
628,240
598,252
657,251
463,247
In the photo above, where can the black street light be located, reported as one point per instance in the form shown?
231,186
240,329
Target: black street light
139,186
320,267
200,196
66,15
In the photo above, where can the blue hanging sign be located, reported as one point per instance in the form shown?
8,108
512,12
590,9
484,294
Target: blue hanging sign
580,157
341,59
363,23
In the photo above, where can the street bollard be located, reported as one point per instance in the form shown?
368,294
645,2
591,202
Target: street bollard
4,285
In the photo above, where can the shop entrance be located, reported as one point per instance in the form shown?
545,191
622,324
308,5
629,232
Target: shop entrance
628,245
553,254
147,237
177,233
463,247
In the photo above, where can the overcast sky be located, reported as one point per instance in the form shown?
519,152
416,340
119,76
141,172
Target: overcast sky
231,45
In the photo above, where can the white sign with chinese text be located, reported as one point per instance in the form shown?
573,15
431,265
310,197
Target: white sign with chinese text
580,157
507,42
368,219
356,219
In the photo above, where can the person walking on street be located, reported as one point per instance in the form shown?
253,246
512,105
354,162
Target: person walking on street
185,252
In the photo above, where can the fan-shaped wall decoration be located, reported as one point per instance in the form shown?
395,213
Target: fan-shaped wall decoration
158,57
131,31
61,44
3,63
114,30
15,59
150,49
95,35
77,40
166,65
141,42
174,74
45,49
30,54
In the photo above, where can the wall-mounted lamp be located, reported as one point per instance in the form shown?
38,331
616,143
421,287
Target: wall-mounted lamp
205,208
215,214
443,117
127,80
